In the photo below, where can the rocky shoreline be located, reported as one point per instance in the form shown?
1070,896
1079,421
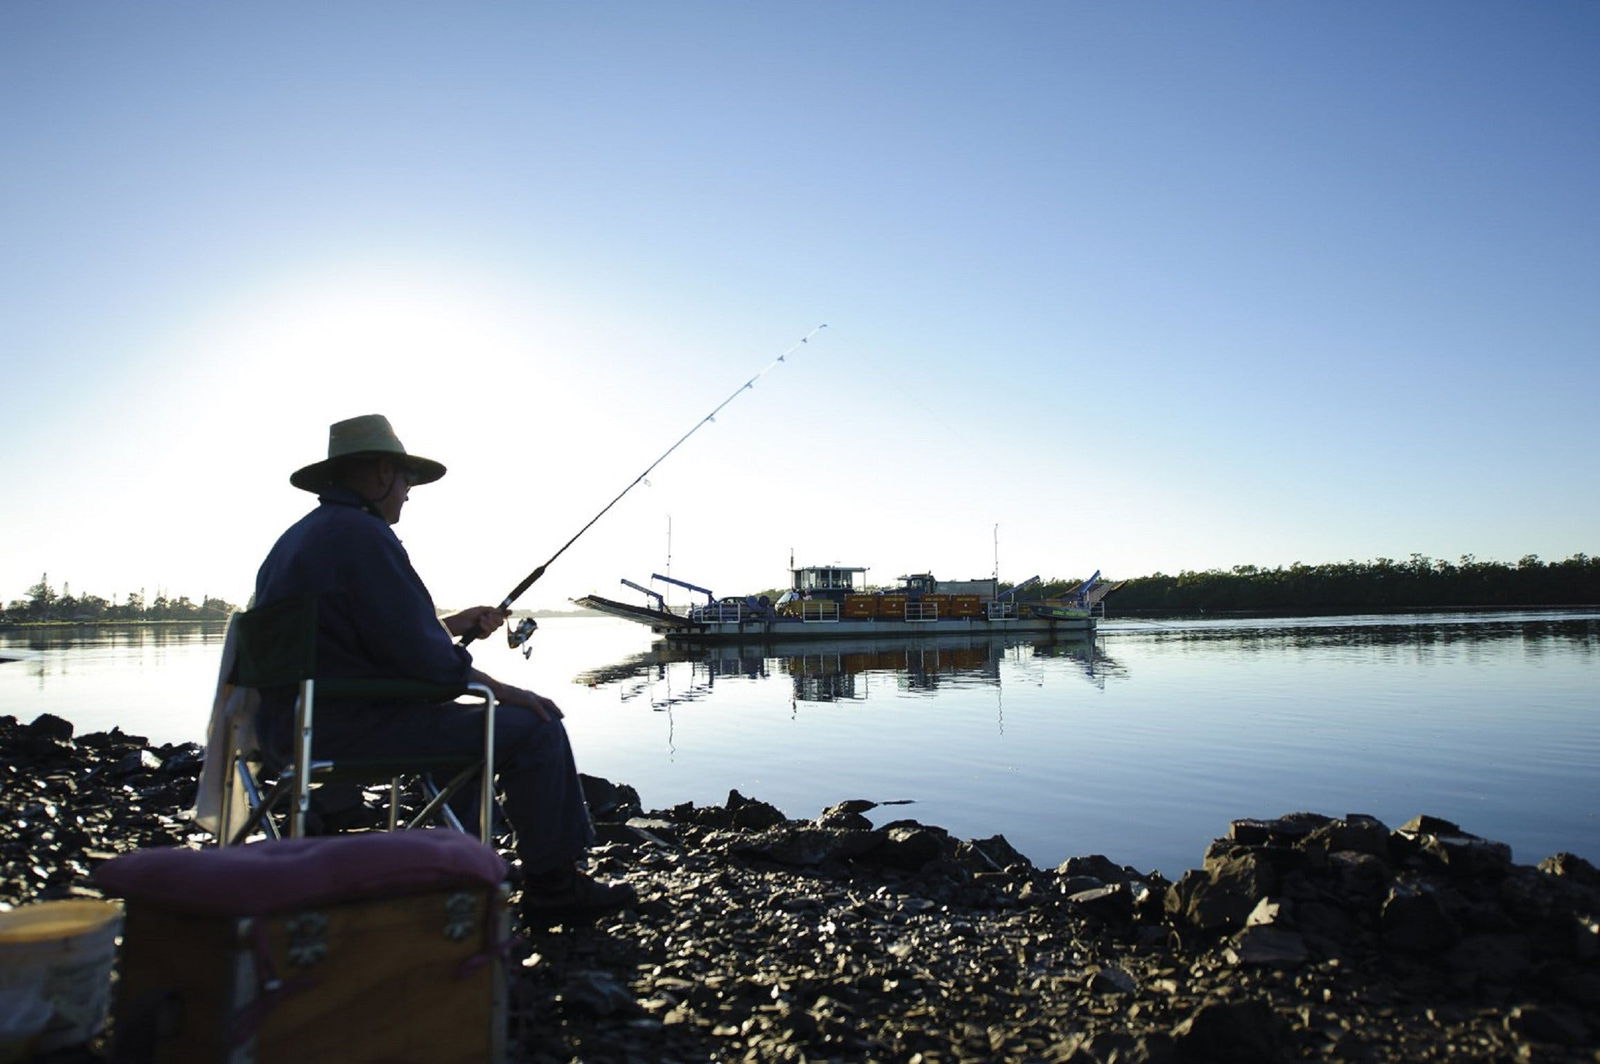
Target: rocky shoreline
764,938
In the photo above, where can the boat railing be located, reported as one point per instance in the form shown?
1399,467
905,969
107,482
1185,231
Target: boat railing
810,610
820,611
718,613
922,611
999,611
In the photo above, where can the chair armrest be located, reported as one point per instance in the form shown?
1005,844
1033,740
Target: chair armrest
391,690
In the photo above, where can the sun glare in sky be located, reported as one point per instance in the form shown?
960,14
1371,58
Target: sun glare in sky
1151,288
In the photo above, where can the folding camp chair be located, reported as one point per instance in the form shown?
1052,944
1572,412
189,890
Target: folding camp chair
276,647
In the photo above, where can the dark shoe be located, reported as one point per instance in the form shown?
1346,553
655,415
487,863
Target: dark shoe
570,897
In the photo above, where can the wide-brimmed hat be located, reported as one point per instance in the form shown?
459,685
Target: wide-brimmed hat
369,434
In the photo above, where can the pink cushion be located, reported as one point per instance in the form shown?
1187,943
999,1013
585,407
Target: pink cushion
290,874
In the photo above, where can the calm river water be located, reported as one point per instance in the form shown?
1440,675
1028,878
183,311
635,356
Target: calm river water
1140,744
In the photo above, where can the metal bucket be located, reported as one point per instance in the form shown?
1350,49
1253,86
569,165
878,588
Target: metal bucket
60,953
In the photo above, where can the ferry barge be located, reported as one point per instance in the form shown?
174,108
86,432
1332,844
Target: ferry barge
832,602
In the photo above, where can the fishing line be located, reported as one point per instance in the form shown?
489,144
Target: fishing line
521,634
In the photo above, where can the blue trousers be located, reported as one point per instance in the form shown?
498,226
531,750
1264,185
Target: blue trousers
536,775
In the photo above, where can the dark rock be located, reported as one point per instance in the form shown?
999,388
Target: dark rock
184,760
1353,834
1112,980
849,807
1414,920
847,816
911,847
1585,929
1467,856
1250,832
1271,912
1111,904
1287,830
114,739
1262,946
1250,870
1578,984
1293,827
1097,867
1547,1023
136,761
1149,899
808,847
102,740
598,993
1359,876
1071,1049
752,814
50,726
1429,825
607,800
29,748
1503,959
1179,900
1570,866
337,807
1326,921
1222,896
1529,896
654,828
1241,1032
998,851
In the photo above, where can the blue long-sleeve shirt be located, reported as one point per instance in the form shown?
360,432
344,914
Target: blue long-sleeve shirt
375,617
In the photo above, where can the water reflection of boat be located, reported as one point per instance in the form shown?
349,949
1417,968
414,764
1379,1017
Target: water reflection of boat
832,602
828,670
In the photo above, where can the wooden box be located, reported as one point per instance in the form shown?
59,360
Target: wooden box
412,978
376,947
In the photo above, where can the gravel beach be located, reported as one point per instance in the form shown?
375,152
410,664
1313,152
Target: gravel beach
763,937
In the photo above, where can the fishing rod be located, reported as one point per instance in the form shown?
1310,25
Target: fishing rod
521,633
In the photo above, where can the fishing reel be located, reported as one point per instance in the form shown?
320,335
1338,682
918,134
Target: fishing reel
519,636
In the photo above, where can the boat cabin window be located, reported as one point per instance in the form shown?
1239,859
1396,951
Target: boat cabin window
826,579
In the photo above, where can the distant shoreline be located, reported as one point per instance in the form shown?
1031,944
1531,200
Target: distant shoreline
108,622
1379,610
1280,613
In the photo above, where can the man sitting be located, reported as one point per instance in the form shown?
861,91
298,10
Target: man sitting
375,618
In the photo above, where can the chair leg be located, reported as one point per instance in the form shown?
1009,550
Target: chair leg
301,804
438,803
261,814
261,807
486,795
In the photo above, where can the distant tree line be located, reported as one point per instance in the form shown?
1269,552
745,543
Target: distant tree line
42,603
1419,582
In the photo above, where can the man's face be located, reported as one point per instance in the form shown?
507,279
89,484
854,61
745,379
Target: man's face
395,480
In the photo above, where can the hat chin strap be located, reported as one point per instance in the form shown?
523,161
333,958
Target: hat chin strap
371,505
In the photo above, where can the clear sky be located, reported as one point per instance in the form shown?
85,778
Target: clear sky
1147,286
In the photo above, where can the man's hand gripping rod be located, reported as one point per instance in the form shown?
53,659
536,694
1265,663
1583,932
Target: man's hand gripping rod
520,634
